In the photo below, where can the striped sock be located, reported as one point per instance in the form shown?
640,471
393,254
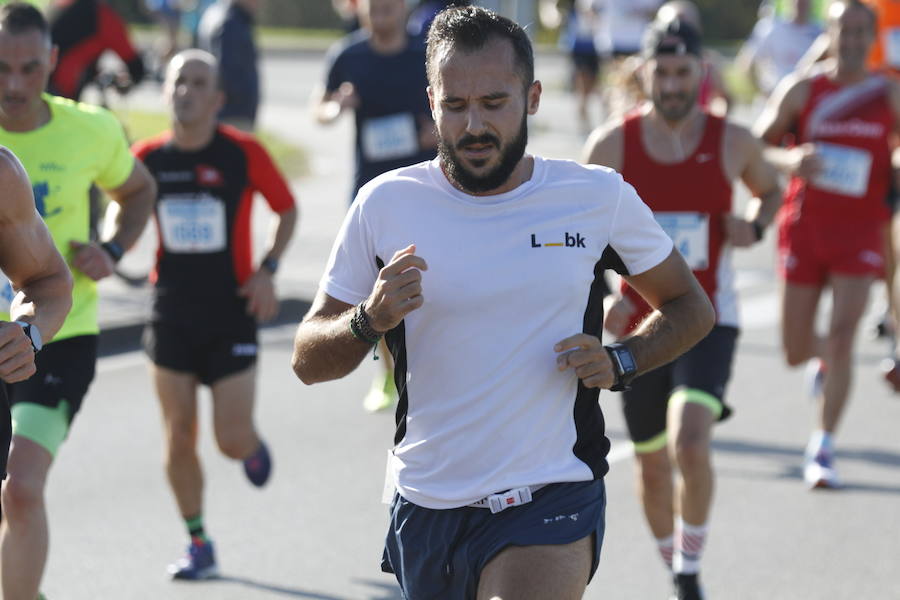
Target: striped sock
666,546
195,529
689,540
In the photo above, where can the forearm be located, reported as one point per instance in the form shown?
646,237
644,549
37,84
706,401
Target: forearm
45,302
285,223
134,211
762,209
781,159
324,349
671,330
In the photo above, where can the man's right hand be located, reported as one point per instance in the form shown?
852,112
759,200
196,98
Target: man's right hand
16,353
346,96
806,162
398,290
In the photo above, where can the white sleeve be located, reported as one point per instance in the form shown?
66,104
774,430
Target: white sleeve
636,237
351,270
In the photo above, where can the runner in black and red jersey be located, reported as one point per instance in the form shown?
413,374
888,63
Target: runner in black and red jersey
682,160
832,226
204,277
83,30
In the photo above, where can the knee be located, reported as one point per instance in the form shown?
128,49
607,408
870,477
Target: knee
236,445
21,495
655,471
182,441
692,453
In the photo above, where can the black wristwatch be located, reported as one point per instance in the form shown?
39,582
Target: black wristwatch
33,333
270,264
623,365
114,249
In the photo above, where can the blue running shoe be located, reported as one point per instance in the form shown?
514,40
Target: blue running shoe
258,466
198,564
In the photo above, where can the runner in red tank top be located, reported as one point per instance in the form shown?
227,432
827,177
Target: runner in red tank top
832,227
682,161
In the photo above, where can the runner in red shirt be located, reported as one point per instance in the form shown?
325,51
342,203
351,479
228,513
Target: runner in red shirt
682,160
831,228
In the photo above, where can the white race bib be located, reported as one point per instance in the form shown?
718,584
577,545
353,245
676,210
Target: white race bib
192,223
690,233
385,138
892,46
844,171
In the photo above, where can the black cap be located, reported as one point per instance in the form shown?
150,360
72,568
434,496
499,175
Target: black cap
672,37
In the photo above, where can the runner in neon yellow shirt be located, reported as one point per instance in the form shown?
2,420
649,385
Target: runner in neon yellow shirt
65,147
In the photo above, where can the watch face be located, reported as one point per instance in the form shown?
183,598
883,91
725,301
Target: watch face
627,361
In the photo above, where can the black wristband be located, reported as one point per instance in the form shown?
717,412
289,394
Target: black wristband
361,328
114,250
759,230
270,264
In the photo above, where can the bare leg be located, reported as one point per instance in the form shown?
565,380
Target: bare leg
24,533
538,572
233,401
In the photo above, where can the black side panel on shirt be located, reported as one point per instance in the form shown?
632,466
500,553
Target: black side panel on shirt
591,444
396,343
611,260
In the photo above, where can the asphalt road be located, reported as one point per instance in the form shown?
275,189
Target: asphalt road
316,531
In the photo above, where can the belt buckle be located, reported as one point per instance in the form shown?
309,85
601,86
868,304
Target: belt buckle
514,497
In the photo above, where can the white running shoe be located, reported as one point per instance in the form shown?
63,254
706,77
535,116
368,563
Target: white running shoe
819,471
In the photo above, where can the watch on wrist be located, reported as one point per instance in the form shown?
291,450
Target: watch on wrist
114,249
33,333
270,264
758,230
624,366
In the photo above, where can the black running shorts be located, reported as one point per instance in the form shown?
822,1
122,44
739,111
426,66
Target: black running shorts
699,375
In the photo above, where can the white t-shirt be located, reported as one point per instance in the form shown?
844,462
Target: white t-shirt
777,46
483,408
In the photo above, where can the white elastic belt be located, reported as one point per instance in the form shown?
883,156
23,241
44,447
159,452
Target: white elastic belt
503,500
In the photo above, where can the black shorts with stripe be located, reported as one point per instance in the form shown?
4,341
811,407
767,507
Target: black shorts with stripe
706,368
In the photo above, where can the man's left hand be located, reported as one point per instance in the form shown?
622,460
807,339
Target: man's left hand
259,291
92,260
586,354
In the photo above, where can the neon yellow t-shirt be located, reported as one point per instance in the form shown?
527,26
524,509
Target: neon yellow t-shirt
80,145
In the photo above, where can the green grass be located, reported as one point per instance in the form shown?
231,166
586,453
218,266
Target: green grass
291,159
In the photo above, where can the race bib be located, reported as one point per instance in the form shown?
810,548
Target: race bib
690,233
192,223
844,171
6,293
385,138
892,47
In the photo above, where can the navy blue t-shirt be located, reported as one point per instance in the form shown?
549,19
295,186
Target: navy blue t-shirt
393,103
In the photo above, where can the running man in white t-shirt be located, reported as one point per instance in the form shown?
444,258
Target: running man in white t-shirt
481,269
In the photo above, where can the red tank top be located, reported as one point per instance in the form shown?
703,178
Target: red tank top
689,198
851,126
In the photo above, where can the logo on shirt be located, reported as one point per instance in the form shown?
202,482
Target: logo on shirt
175,176
571,241
705,157
41,190
52,167
850,128
209,176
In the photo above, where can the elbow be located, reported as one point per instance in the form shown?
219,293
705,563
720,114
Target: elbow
706,315
302,370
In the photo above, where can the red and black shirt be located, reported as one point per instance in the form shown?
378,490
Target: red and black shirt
203,216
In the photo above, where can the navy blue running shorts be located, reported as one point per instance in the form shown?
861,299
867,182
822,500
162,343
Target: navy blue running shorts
440,553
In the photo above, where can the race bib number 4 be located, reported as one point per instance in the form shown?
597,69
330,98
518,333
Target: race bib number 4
192,223
844,171
690,234
386,138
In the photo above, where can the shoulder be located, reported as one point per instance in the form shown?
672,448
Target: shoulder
84,116
393,186
354,44
604,145
16,187
143,148
593,180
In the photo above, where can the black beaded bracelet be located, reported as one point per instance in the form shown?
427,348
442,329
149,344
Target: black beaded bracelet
361,328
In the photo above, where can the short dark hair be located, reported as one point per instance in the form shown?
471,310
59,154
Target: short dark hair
671,37
470,28
21,17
